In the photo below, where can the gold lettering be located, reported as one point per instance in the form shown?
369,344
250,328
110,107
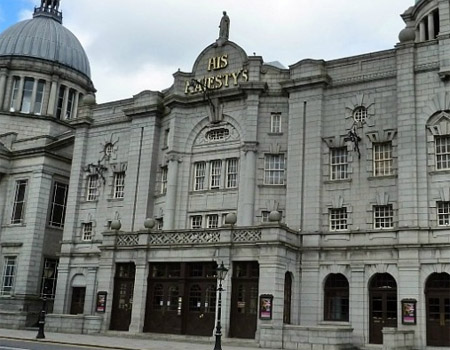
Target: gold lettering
245,74
226,76
219,82
224,61
236,76
210,82
211,64
186,86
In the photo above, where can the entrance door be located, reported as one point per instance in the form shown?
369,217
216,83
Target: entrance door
122,297
244,299
383,306
438,309
201,308
164,306
77,304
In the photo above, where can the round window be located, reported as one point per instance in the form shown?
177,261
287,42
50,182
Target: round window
360,114
109,149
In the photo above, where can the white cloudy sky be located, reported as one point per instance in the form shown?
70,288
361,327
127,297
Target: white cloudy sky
134,45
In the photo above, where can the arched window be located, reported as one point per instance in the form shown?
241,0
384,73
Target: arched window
287,298
336,298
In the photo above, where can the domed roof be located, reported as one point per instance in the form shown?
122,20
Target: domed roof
44,37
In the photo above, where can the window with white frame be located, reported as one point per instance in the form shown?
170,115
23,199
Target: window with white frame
196,221
442,152
212,221
360,114
48,279
274,169
159,223
338,163
338,219
383,216
18,211
443,213
265,215
27,95
88,232
275,123
9,275
70,103
163,180
119,184
216,171
382,159
232,172
92,187
58,206
199,176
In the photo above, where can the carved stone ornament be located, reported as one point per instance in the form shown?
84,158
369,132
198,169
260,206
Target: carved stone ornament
217,133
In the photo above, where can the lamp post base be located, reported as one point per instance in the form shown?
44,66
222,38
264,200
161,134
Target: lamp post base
218,344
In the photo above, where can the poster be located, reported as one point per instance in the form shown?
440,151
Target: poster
265,307
101,302
409,311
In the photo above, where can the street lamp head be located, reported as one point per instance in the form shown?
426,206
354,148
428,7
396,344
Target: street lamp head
221,272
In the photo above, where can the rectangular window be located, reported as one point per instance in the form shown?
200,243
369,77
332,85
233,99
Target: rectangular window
92,187
15,94
274,169
442,152
39,97
196,221
338,219
443,213
216,170
70,103
382,159
166,138
232,172
27,93
9,274
212,221
275,123
265,216
383,216
159,223
87,231
338,163
48,280
163,180
119,184
58,206
60,102
19,202
199,176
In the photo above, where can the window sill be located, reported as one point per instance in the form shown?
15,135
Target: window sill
272,185
337,181
55,228
334,323
213,190
439,172
382,177
275,133
115,199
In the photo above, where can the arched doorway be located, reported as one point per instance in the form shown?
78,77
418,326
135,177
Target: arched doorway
437,294
336,298
383,306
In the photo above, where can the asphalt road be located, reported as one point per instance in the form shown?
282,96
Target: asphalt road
7,344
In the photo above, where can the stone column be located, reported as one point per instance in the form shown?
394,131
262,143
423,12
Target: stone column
62,288
358,304
18,100
52,98
171,194
89,301
246,210
431,29
3,75
139,298
422,31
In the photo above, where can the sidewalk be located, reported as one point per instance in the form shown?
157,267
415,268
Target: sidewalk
127,341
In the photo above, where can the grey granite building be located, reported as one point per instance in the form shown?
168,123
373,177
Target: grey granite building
322,187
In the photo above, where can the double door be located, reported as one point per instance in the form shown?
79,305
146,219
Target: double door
383,313
438,319
181,299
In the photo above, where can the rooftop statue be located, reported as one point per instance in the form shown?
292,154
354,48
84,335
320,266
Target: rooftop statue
224,31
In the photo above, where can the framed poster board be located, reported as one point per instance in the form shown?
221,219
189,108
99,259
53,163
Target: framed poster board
409,311
101,302
265,306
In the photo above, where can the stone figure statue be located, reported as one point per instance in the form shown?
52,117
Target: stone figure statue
224,26
224,31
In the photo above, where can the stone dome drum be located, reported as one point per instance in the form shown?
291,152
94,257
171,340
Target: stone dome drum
44,37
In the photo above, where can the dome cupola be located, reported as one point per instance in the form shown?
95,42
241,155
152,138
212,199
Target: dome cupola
44,37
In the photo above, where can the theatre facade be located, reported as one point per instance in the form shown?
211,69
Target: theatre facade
323,188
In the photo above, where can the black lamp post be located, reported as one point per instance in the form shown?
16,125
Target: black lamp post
221,273
48,271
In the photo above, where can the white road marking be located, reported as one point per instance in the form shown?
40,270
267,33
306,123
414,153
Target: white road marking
8,348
